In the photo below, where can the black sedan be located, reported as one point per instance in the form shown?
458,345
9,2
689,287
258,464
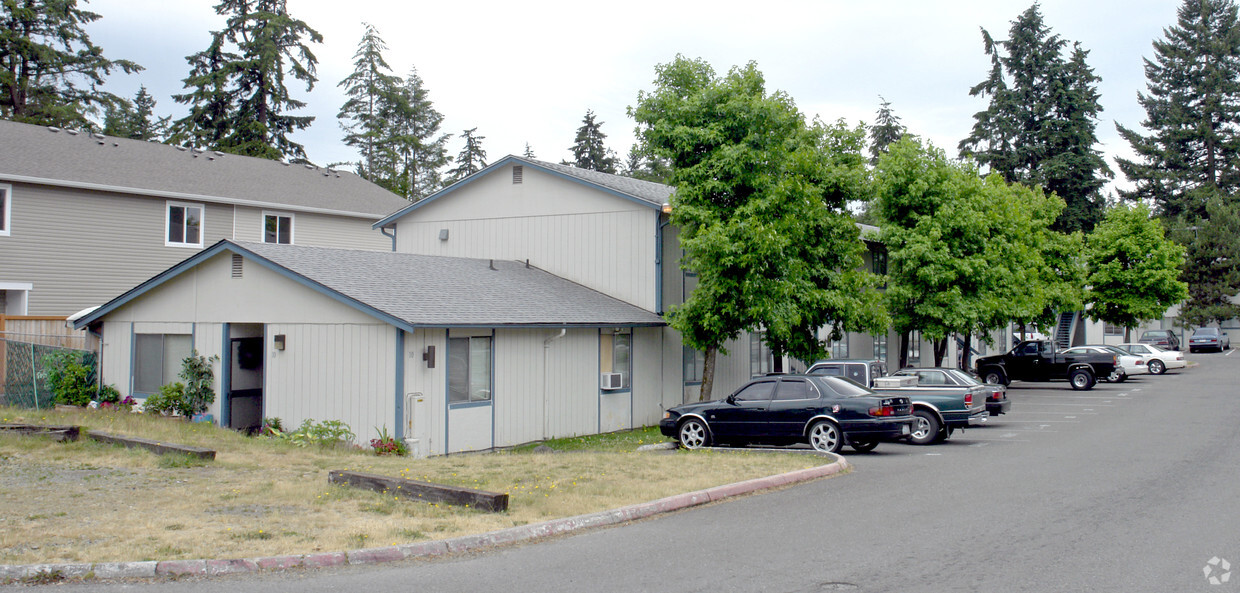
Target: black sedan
997,401
826,412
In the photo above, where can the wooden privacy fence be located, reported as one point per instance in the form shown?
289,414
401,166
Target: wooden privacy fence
42,330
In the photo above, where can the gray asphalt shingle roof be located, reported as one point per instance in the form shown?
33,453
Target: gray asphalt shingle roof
39,154
437,291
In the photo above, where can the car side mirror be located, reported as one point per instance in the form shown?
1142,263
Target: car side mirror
731,399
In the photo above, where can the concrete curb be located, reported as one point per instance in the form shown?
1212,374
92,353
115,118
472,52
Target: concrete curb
468,543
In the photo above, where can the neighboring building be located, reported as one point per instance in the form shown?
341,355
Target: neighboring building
452,354
85,217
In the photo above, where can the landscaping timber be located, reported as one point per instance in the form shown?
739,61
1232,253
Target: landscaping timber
422,491
158,447
58,433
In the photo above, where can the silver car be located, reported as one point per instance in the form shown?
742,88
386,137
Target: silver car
1209,338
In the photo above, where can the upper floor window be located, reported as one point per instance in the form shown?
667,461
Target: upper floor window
184,223
761,359
880,347
278,228
6,205
1113,330
914,347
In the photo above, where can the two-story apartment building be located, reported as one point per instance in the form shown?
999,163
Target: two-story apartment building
85,217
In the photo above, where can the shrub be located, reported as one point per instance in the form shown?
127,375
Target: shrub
69,377
171,398
197,393
108,394
272,427
387,445
325,433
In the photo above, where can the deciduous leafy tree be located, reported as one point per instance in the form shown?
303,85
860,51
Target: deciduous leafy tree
471,159
1133,269
1039,128
1192,107
589,151
759,202
239,102
50,72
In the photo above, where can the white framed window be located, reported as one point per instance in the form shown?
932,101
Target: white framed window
469,370
157,360
914,348
1113,330
880,347
278,228
615,355
838,348
184,224
6,209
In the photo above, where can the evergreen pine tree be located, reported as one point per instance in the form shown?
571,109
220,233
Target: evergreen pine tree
135,119
1039,128
367,88
887,129
415,152
49,69
529,152
588,149
1192,108
471,159
640,164
239,102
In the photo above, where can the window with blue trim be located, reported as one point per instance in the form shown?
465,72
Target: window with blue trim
469,370
157,359
695,361
615,350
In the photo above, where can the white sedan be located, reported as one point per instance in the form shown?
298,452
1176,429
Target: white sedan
1129,364
1157,359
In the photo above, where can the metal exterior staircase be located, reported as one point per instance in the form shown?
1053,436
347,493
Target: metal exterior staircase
1065,329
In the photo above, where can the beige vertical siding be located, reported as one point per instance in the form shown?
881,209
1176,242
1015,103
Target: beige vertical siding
425,419
332,372
209,342
117,337
571,230
650,396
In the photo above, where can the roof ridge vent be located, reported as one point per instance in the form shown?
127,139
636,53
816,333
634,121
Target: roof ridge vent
219,153
309,166
97,136
284,163
54,129
71,132
182,148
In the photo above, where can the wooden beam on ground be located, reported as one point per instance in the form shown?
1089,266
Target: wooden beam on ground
422,491
158,447
59,433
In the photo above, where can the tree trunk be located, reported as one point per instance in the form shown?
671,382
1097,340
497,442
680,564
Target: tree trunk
1127,334
708,374
940,350
966,353
903,358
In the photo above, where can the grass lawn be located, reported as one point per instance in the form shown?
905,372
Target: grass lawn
90,502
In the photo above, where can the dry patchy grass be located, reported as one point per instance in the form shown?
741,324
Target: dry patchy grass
89,502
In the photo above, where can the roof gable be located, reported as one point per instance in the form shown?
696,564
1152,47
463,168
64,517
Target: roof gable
52,156
646,193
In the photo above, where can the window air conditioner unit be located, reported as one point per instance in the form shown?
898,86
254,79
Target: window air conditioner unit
611,381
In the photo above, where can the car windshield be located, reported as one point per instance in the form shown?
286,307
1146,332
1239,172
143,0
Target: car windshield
1206,331
840,385
1156,334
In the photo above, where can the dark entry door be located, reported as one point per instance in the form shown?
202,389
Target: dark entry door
245,389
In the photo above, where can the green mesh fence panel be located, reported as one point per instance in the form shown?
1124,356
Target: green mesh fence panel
26,373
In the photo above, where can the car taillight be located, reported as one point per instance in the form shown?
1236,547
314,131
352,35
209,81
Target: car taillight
968,399
1140,362
883,411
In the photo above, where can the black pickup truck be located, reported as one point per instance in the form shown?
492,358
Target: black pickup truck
1040,360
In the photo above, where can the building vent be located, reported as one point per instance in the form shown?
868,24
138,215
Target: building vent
518,172
238,265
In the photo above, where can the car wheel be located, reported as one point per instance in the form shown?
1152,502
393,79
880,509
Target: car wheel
995,376
1157,367
693,434
1117,377
825,436
863,446
1082,379
927,430
1192,350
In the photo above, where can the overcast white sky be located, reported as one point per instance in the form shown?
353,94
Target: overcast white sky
527,72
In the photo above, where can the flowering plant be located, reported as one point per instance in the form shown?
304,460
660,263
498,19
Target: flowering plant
387,445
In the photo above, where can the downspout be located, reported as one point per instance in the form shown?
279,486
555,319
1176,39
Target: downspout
658,256
393,235
546,352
